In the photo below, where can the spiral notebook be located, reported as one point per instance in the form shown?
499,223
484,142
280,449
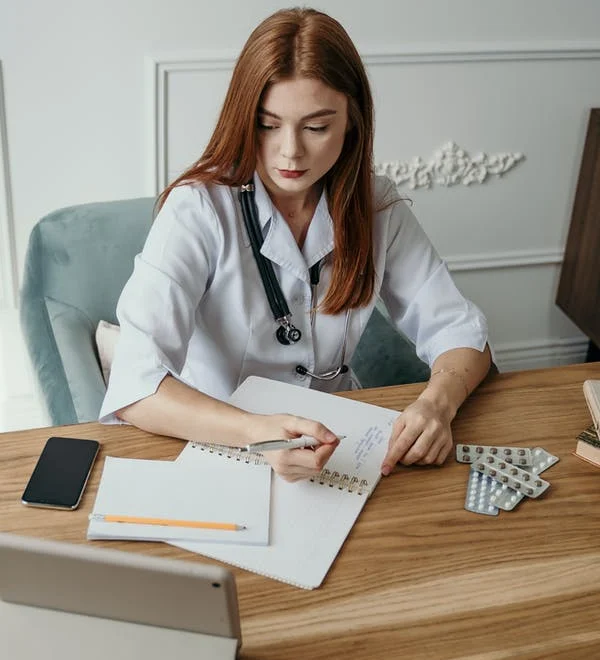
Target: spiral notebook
311,519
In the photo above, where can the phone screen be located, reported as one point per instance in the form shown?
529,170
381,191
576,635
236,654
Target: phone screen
61,473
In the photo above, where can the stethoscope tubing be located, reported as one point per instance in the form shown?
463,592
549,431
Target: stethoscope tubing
275,297
334,373
277,302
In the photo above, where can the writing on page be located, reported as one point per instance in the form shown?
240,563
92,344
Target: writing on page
373,437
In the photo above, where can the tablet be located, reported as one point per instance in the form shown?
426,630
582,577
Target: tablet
60,598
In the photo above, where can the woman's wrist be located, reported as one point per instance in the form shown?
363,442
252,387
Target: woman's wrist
243,431
453,373
446,395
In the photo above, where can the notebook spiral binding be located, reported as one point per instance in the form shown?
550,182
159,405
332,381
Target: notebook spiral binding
334,479
231,452
342,482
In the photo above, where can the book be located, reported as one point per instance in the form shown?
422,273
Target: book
588,446
209,491
591,393
310,519
588,443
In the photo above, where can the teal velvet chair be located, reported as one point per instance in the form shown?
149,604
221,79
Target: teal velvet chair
77,262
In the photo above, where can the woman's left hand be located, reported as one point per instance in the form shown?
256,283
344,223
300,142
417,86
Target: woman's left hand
421,435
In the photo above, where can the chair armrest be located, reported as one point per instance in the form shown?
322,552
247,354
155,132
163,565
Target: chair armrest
60,341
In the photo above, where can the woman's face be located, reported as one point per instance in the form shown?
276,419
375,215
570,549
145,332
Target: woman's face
301,126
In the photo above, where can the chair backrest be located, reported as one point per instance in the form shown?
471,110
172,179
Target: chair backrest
77,262
385,356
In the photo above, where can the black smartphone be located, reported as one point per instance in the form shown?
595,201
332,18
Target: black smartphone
61,473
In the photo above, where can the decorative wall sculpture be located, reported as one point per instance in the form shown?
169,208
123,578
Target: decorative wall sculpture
449,166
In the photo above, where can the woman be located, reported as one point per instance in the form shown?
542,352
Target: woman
290,162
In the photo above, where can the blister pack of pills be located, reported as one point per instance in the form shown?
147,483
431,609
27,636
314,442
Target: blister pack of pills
479,490
542,460
507,498
520,456
514,477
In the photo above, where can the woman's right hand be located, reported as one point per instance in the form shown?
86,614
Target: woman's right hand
294,464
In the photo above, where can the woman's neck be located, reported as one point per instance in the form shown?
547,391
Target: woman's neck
297,210
291,206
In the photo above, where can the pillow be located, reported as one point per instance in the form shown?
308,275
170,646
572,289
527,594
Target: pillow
107,335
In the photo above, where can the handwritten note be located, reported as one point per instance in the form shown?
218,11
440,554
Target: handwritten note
373,437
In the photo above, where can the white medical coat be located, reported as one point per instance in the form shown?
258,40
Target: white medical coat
195,306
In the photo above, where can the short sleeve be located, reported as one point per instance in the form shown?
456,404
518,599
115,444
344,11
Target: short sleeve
420,295
157,307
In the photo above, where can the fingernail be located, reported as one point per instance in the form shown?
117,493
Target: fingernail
385,470
331,437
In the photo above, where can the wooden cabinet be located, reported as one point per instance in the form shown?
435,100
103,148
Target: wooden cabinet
579,287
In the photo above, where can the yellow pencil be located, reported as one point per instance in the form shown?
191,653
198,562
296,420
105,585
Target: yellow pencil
167,522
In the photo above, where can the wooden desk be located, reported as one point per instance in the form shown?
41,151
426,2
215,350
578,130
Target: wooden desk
418,577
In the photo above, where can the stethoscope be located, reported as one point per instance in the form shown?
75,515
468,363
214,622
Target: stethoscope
287,333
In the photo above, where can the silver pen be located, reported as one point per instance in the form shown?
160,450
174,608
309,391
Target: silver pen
302,442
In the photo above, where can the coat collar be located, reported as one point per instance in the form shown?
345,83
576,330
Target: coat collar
279,244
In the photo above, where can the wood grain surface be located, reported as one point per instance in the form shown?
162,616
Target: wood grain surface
418,576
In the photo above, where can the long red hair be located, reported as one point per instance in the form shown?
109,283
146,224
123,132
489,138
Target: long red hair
306,43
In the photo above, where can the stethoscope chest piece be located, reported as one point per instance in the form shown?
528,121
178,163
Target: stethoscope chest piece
288,334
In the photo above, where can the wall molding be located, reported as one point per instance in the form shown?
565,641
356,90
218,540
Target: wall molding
416,54
540,354
160,67
500,52
8,266
507,259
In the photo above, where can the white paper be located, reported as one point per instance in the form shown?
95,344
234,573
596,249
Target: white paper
213,489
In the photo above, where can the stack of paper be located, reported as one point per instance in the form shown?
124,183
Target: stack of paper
215,490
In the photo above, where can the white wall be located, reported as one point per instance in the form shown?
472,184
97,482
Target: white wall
508,76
